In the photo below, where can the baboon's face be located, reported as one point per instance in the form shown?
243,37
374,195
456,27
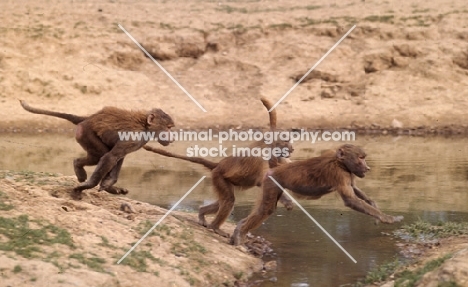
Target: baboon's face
160,122
354,158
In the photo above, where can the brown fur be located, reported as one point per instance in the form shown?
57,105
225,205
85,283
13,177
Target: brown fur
98,135
230,172
311,179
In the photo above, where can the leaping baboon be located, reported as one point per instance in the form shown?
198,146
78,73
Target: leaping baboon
235,171
98,135
311,179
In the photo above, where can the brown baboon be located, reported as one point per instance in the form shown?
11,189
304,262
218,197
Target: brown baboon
98,135
235,171
311,179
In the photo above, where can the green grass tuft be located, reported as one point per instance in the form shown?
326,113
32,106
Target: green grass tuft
409,278
25,241
94,263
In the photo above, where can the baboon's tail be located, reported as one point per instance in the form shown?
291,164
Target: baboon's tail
206,163
69,117
268,105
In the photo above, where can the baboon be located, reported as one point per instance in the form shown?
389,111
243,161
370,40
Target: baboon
235,171
311,179
98,136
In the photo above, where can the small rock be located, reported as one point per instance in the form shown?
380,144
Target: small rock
327,94
242,248
397,124
270,266
400,62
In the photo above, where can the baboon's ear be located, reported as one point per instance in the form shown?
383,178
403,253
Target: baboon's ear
150,119
340,153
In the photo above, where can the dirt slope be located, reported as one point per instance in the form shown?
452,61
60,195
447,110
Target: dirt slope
48,239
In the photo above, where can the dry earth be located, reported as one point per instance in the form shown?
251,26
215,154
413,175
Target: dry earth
48,239
404,65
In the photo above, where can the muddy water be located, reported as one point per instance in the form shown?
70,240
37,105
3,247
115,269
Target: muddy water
415,177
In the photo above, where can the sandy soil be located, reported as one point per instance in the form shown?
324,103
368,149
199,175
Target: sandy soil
178,253
404,65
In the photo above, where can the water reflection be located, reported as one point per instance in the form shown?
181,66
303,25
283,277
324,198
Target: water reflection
415,177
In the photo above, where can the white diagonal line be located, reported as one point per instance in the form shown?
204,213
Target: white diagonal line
311,69
162,68
315,221
160,220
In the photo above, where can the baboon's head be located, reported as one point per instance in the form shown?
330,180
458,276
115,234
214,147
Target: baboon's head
285,147
160,122
353,158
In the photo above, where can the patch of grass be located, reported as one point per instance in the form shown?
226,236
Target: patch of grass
380,18
448,284
4,206
189,246
411,18
238,275
36,32
58,33
161,230
30,177
17,269
404,278
334,21
105,243
421,10
238,27
312,7
201,261
137,260
167,26
25,241
94,263
83,89
380,273
58,265
54,254
208,276
281,26
192,281
409,278
424,230
418,20
78,24
229,9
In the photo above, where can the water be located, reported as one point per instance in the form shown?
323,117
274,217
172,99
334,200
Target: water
416,177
